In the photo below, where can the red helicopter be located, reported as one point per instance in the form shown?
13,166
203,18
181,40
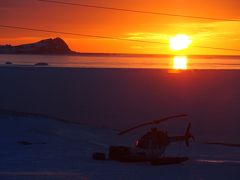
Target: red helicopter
150,147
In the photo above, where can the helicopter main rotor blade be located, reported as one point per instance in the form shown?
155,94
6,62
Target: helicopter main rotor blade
151,123
223,144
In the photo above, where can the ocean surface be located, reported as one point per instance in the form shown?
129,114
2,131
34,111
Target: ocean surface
117,61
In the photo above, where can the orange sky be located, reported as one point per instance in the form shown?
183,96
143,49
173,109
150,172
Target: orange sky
35,14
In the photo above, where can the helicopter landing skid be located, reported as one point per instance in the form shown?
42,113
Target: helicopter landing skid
126,154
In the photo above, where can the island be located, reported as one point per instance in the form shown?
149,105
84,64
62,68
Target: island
46,46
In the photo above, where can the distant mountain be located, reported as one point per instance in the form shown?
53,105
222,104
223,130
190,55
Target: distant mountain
46,46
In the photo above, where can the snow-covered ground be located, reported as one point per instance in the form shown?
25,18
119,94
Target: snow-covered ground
63,150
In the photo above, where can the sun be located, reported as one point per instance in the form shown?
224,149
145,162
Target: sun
179,42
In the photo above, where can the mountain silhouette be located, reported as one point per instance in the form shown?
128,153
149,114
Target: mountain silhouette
46,46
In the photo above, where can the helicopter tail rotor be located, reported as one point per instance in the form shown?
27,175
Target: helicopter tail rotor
188,135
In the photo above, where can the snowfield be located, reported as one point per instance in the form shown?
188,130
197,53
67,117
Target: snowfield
42,148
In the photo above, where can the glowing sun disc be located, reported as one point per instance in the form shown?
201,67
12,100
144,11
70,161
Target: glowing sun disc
179,42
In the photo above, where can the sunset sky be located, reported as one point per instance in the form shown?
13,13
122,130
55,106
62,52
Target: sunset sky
36,14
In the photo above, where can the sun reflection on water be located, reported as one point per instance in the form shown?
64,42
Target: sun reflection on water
180,63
